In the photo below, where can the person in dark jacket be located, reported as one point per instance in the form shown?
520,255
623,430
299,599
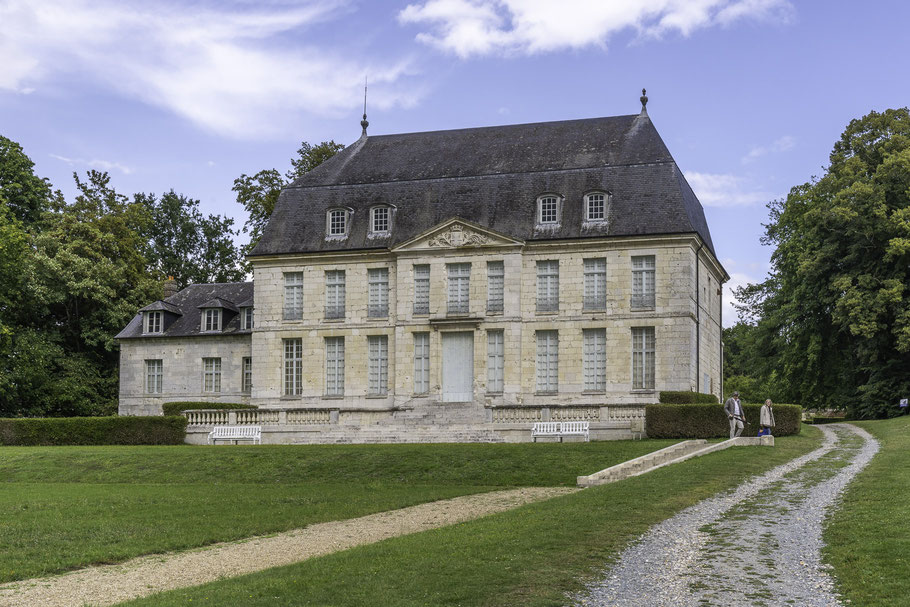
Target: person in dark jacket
735,414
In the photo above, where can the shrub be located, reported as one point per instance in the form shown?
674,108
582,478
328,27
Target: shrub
687,398
154,430
707,421
177,408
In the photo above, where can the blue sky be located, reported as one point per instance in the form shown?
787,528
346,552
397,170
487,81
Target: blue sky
749,95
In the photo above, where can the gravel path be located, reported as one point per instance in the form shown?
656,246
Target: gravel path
757,545
147,575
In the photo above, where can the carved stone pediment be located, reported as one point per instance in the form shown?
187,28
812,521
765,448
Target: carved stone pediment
459,236
455,234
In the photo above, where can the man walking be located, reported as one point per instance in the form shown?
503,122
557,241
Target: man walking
735,414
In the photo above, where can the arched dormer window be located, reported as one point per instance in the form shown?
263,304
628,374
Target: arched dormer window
380,220
337,222
596,206
549,210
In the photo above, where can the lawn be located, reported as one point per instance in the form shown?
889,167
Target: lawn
868,538
68,507
533,555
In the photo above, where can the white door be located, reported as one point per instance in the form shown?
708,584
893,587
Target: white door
457,367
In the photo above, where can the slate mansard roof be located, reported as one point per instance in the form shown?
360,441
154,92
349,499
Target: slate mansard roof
187,305
491,176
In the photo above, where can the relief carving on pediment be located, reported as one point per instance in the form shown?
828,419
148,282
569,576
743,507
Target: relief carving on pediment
459,236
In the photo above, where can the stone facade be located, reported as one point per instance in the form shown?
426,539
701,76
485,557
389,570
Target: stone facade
182,371
451,217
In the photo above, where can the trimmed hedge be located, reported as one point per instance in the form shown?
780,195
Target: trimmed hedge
177,408
687,398
710,421
153,430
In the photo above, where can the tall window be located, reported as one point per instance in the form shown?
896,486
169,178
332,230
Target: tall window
547,210
378,279
246,318
643,281
153,322
153,376
247,383
595,359
547,361
547,286
337,222
211,375
379,364
459,287
495,361
596,207
334,366
293,295
211,319
334,294
421,363
595,297
422,289
643,358
293,367
495,286
380,220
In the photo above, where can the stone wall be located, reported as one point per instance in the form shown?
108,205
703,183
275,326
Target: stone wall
673,317
182,370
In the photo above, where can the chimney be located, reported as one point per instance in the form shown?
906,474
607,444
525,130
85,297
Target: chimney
169,287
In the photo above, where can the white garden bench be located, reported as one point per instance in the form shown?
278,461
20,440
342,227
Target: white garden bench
236,433
560,429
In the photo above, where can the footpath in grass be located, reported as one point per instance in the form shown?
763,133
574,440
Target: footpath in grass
868,536
533,555
69,507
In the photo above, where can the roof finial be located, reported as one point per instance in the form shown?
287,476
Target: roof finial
644,101
364,123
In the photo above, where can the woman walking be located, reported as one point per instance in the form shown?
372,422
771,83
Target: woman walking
766,419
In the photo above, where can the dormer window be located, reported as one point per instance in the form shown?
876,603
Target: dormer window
380,220
596,206
211,319
246,318
548,210
153,322
337,222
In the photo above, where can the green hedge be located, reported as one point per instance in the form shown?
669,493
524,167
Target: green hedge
176,408
687,398
155,430
710,421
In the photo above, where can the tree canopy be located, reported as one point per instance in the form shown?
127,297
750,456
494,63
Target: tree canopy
833,318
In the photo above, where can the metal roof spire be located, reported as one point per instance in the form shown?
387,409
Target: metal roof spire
364,123
644,102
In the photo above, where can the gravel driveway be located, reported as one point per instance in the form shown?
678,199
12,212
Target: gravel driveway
757,545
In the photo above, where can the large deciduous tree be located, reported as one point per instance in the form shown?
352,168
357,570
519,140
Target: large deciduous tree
833,317
187,245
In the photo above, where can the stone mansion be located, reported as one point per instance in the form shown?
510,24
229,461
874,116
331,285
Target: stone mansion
463,283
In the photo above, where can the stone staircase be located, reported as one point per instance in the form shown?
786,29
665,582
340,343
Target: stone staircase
645,463
425,423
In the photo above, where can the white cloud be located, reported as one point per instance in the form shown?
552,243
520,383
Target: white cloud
483,27
737,279
783,144
720,190
244,69
104,165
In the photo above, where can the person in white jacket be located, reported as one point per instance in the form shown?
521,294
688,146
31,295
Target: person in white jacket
766,419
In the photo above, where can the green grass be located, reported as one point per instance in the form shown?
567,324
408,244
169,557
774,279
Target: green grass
868,537
530,556
68,507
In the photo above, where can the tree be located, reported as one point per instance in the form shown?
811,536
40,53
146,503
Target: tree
834,314
24,194
259,193
187,245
